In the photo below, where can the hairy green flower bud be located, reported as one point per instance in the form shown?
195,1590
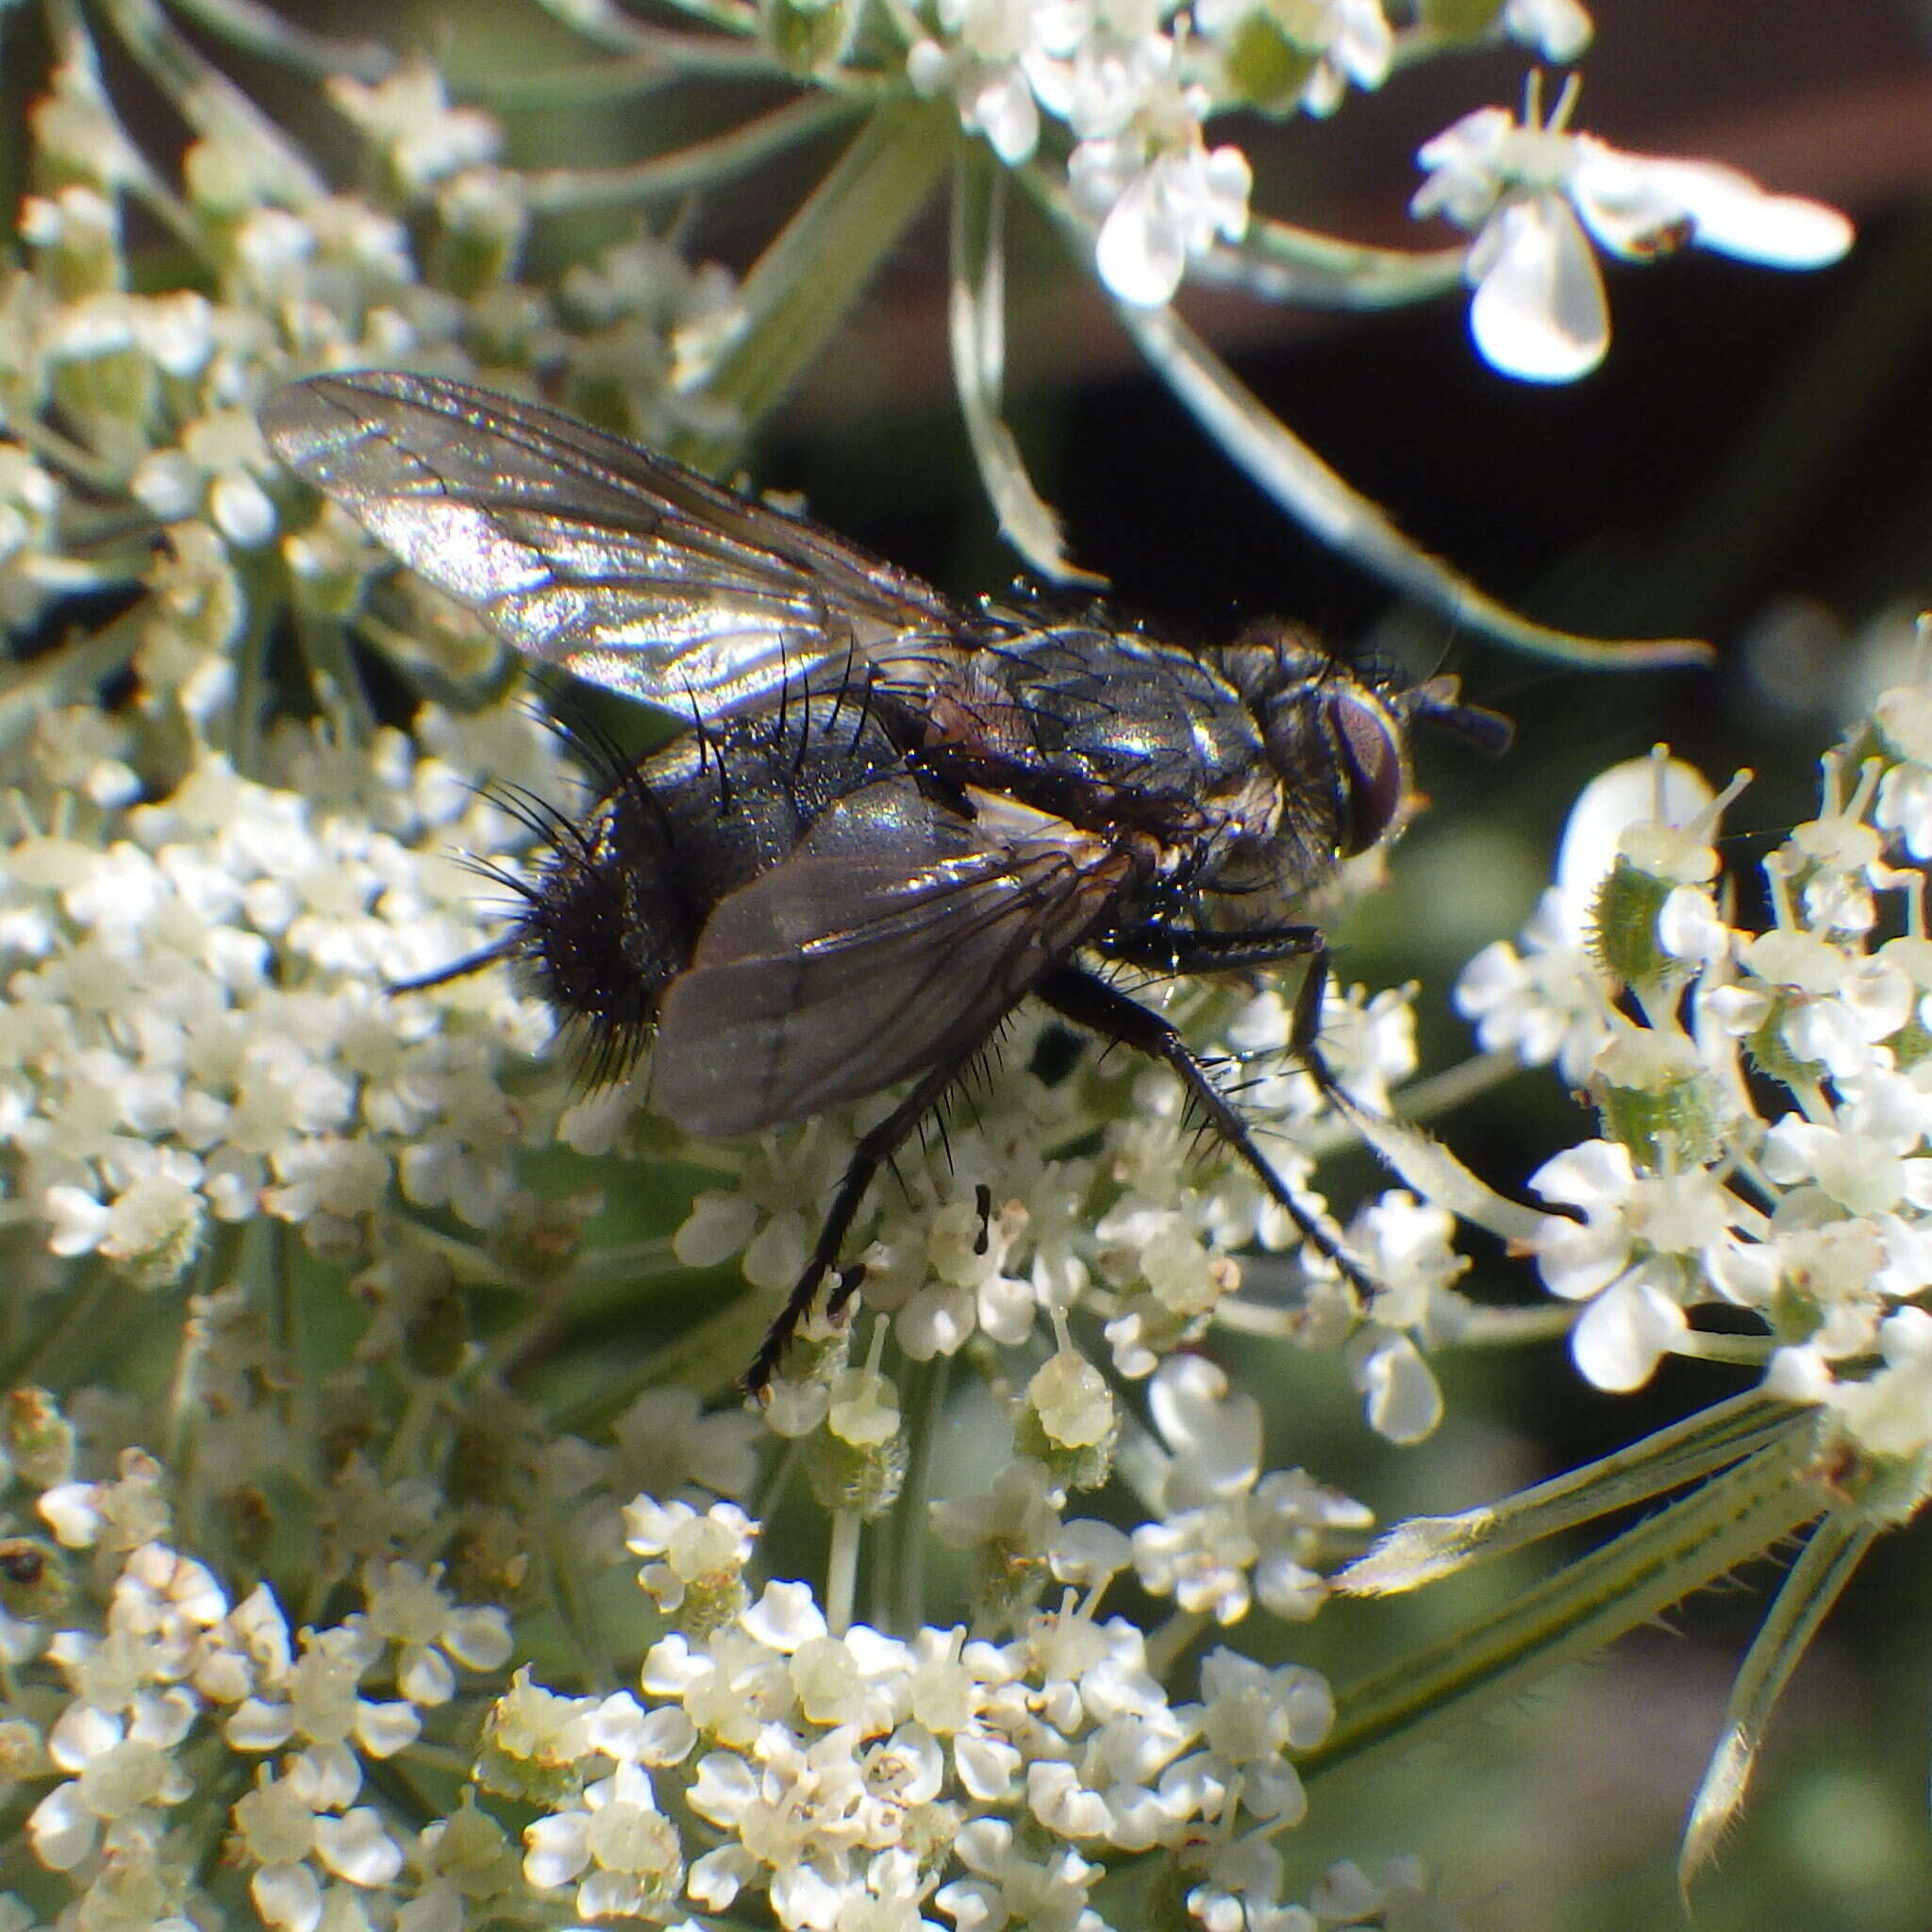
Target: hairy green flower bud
1655,1097
1624,940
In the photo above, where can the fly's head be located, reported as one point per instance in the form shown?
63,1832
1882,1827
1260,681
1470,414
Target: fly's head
1338,742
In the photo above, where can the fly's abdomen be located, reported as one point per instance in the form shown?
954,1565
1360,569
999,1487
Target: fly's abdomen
623,900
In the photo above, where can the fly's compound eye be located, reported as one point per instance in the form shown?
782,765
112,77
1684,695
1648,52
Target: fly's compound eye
1371,757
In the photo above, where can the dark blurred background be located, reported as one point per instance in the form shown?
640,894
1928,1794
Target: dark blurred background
1752,464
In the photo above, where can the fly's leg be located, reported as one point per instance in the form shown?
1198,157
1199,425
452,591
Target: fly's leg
873,1150
1092,1003
1178,950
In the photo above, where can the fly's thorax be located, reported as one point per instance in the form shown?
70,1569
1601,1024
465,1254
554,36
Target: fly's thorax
1126,711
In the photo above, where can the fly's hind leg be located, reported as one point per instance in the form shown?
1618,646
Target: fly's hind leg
873,1150
1092,1003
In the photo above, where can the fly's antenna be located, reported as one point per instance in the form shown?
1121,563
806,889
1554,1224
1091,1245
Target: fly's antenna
1439,701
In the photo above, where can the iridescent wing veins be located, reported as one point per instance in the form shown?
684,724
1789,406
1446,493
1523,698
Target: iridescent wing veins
582,550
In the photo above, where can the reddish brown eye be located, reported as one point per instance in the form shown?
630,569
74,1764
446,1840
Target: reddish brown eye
1373,760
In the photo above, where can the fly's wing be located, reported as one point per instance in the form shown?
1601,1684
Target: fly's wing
890,941
580,549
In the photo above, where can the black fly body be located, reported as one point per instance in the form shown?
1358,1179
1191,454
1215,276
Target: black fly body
888,819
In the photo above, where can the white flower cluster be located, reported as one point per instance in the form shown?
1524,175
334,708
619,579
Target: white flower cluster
1814,1214
861,1782
1529,191
198,1026
157,392
993,1235
176,1674
1135,81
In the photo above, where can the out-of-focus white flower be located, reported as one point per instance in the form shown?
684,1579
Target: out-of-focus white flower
1557,29
1221,1531
410,116
1337,41
1530,189
997,56
1163,204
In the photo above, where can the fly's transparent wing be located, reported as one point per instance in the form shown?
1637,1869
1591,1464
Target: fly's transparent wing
893,940
582,550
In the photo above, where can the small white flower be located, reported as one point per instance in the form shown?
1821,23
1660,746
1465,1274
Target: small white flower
1529,191
410,1608
409,114
1646,1244
1171,205
1557,29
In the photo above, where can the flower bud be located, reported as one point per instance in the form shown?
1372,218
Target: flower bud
38,1439
1069,1423
859,1456
1625,941
1657,1098
533,1745
808,35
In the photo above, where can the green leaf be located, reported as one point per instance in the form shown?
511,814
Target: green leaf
806,283
1426,1548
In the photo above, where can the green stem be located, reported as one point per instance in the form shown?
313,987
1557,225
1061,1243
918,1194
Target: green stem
249,25
1166,1645
333,679
1281,263
841,1570
661,59
1732,1518
1455,1087
247,712
926,1387
703,165
83,1311
806,283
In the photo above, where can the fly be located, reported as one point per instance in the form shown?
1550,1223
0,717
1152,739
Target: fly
888,819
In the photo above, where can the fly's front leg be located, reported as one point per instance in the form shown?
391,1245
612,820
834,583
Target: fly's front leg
873,1150
1181,950
1092,1003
